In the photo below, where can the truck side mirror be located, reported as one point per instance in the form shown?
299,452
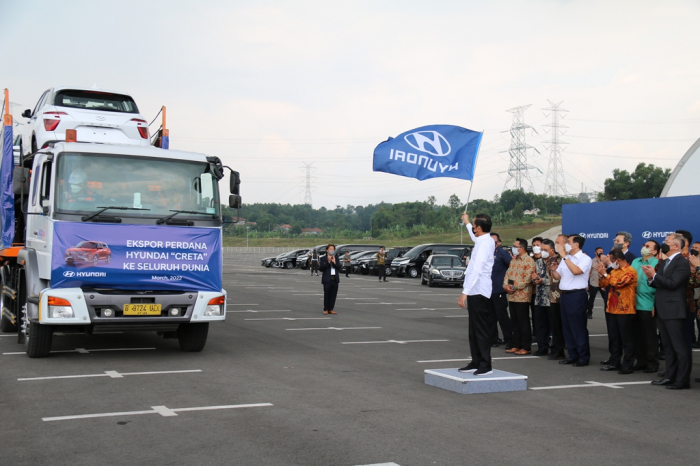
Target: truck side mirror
234,201
27,113
235,183
45,206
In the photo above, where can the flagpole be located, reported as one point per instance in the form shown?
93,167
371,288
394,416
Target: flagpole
471,182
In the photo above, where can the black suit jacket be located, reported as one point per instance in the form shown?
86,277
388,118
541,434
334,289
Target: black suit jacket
326,269
671,283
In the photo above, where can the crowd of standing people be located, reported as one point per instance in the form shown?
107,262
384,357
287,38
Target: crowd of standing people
547,297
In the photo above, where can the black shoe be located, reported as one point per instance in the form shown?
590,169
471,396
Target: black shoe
605,363
580,364
640,367
610,368
662,355
590,316
662,375
662,382
495,345
697,380
555,357
567,361
625,371
678,386
483,371
650,371
500,341
471,367
696,344
542,352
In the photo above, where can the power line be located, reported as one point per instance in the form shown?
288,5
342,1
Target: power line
555,183
519,170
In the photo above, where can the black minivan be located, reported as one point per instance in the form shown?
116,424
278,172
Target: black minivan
412,262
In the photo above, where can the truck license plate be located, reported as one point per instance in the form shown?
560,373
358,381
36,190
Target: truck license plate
142,309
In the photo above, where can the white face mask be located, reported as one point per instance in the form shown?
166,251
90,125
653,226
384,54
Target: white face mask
75,188
615,265
646,251
545,254
515,250
536,249
567,247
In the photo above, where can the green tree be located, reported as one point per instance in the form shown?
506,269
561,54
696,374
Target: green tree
454,202
646,181
518,210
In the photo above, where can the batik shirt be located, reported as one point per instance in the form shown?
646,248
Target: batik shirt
554,293
622,293
692,284
520,271
542,289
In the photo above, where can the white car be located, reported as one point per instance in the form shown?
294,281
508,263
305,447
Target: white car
96,115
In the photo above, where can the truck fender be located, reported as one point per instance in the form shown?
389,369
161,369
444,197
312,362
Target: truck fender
34,284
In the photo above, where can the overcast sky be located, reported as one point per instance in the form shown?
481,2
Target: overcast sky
269,85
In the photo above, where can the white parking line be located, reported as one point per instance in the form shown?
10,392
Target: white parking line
430,309
388,341
162,410
293,318
469,359
381,464
85,351
269,310
386,303
592,384
456,316
359,299
334,328
111,374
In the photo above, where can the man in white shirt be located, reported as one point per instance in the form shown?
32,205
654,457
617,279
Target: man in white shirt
477,295
573,273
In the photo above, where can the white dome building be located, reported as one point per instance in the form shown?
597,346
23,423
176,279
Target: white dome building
685,178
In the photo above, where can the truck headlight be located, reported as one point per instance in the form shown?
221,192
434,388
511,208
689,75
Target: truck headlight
215,307
60,308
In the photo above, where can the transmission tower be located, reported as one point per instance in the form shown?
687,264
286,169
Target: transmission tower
555,184
308,188
519,170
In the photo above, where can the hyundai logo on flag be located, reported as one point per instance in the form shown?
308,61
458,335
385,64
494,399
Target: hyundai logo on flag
431,142
433,151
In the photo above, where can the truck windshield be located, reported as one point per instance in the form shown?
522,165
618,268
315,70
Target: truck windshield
85,182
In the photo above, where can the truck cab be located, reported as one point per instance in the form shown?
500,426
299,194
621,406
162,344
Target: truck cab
115,237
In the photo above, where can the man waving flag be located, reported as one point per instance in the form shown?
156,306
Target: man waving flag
433,151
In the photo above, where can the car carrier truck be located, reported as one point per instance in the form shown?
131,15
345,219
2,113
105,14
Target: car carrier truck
109,237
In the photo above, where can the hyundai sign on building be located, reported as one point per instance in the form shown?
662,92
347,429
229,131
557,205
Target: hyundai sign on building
645,219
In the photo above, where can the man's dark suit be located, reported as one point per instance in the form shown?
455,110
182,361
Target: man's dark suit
330,282
671,283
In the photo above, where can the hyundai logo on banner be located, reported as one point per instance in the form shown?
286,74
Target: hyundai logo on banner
430,152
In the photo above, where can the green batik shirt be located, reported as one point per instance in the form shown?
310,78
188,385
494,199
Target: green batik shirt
645,293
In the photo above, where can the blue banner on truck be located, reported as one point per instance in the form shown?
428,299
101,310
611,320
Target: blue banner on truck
136,257
645,219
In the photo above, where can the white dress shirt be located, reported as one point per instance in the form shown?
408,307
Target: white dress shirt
477,278
569,281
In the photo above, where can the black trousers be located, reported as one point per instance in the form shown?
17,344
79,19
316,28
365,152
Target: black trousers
346,268
622,340
482,319
499,301
541,315
646,344
520,319
592,292
575,324
330,291
673,336
381,271
557,330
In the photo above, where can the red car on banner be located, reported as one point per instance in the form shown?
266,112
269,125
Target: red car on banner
87,252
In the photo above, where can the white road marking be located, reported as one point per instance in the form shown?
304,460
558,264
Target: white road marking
269,310
162,410
430,309
85,351
469,359
359,299
601,335
437,294
293,318
381,464
111,374
403,291
388,341
592,384
334,328
386,303
457,316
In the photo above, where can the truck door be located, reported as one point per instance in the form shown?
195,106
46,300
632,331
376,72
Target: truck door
39,228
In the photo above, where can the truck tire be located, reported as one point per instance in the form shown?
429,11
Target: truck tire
5,324
37,337
192,337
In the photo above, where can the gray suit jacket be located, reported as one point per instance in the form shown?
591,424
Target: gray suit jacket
671,283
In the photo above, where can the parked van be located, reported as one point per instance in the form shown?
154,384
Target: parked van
412,262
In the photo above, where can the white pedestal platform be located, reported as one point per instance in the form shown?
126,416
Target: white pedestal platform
468,383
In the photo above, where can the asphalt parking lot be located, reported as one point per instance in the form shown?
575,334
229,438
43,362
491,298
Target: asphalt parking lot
279,383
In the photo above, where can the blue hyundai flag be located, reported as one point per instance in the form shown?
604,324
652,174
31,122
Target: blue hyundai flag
432,151
7,199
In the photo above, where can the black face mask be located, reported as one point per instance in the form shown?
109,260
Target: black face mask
599,254
694,252
665,248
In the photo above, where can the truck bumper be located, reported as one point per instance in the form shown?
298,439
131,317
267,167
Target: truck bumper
89,306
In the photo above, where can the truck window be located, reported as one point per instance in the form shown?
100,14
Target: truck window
35,184
46,181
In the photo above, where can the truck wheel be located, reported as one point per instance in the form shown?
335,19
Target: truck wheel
192,337
37,337
5,324
413,272
289,265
